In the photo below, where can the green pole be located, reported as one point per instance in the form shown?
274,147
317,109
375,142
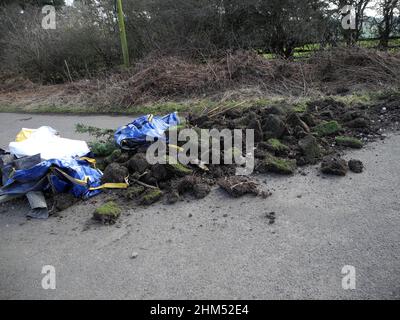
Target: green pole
124,43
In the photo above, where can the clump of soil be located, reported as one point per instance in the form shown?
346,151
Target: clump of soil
63,201
150,196
138,163
193,185
133,192
172,197
334,166
237,186
328,128
349,142
108,213
273,164
356,166
115,173
277,147
310,149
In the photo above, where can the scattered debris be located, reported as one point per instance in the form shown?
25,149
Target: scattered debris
271,216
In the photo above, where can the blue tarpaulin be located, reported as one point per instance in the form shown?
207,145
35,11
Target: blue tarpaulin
62,176
148,126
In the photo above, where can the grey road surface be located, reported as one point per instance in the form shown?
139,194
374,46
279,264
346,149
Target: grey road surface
215,248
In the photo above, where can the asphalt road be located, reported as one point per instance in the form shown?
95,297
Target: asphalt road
215,248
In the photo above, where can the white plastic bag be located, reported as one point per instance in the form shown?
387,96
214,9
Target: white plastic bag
50,146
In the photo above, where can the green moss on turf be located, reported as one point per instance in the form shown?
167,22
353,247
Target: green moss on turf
277,146
279,165
328,128
349,142
108,212
151,197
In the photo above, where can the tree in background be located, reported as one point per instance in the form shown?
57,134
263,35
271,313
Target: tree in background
360,6
387,24
210,25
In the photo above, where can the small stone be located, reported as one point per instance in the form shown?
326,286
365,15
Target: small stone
134,255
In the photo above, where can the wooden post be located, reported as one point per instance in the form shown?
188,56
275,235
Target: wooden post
124,42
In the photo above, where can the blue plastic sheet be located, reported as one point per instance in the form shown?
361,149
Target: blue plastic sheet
63,176
148,126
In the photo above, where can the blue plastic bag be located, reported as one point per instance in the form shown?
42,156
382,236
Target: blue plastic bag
137,132
68,175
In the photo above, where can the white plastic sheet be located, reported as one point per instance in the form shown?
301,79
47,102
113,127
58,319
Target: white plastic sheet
49,144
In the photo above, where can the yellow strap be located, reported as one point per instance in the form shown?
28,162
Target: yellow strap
90,160
122,185
150,118
12,173
73,180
